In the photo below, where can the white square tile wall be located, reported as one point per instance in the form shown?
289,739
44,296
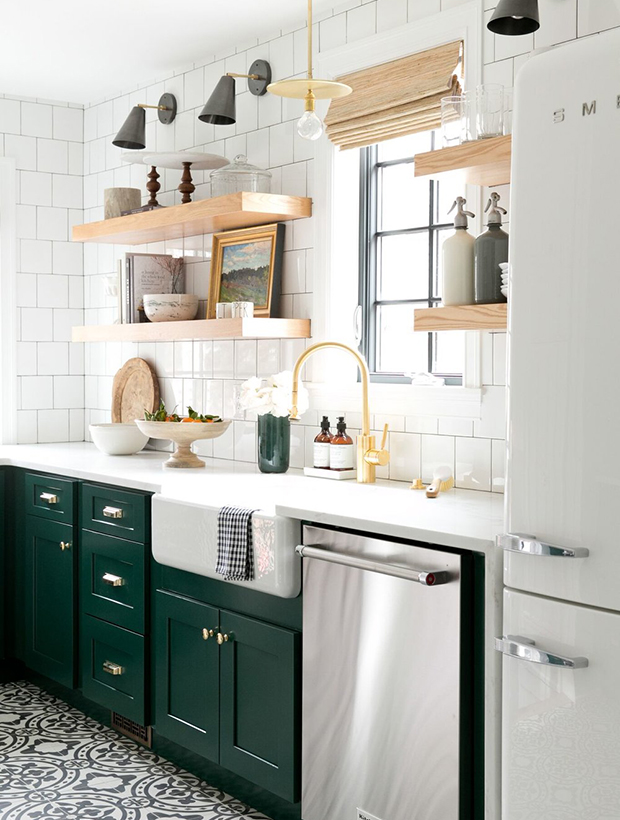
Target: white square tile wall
65,159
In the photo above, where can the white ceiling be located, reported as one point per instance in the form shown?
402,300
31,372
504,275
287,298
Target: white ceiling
83,50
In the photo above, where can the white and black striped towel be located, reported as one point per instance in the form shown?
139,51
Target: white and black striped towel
235,555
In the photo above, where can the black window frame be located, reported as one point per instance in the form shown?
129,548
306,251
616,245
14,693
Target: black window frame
369,237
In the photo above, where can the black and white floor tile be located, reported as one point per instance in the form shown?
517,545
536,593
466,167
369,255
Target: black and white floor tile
57,763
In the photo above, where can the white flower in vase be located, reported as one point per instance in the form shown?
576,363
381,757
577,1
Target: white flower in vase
273,395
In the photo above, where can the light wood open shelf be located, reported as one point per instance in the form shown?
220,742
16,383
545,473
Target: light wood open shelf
222,213
484,162
256,328
463,317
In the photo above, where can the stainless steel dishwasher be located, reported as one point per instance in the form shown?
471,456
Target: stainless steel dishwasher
381,679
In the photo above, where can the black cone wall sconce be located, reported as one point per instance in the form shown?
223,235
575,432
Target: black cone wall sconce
220,108
132,134
515,17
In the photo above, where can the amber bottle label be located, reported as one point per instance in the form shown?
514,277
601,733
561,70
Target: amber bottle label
321,453
341,456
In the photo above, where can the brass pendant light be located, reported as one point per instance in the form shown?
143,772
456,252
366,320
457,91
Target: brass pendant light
310,126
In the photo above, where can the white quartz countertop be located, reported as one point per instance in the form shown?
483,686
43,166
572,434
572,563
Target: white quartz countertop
459,518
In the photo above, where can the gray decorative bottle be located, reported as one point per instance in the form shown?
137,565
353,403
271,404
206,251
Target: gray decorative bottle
490,249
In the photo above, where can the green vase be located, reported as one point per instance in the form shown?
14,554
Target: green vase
274,443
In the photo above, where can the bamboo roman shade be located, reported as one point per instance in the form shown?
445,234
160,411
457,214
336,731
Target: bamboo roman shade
396,98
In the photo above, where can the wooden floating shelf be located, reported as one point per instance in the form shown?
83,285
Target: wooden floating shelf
222,213
255,328
463,317
484,162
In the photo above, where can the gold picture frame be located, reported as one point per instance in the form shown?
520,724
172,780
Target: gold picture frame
260,281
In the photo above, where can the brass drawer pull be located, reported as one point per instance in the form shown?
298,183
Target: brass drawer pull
49,497
207,633
112,668
113,580
112,512
224,638
65,545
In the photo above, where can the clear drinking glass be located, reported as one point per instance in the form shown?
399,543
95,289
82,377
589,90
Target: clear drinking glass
508,105
452,120
489,111
470,126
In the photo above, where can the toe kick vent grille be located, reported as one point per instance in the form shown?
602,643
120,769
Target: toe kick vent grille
129,728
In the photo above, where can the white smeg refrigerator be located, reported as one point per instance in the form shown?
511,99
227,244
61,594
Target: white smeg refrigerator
561,641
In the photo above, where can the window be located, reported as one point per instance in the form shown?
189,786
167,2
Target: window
403,223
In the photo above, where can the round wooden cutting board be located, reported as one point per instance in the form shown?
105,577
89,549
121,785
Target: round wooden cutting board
134,390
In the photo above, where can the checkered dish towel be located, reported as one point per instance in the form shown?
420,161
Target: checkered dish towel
235,555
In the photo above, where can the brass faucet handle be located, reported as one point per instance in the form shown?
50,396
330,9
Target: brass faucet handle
379,456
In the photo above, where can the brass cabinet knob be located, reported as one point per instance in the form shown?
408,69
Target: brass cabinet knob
207,633
113,668
223,638
65,545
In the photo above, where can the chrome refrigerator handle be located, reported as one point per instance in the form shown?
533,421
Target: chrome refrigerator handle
523,649
530,545
428,579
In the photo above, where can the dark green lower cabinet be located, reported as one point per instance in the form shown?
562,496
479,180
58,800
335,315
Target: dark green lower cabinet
50,599
187,674
113,668
259,703
235,703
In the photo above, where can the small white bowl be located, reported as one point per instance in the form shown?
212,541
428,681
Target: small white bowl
118,439
170,307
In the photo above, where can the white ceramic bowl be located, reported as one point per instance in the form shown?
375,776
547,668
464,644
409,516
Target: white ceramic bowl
118,439
170,307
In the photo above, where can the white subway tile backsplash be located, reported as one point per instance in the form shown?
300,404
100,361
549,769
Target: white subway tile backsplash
69,392
406,454
35,188
244,440
473,464
52,223
36,120
52,291
437,451
52,156
223,359
53,426
35,256
68,124
498,465
27,432
245,358
36,392
492,422
23,150
10,116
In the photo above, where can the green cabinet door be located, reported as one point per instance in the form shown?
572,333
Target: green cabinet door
187,674
49,599
259,703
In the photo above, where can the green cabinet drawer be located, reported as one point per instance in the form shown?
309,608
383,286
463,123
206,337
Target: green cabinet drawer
115,512
49,599
113,580
260,703
113,668
187,674
49,497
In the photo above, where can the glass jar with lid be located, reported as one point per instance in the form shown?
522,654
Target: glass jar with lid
240,175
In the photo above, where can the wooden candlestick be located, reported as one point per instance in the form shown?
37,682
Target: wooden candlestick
153,186
187,187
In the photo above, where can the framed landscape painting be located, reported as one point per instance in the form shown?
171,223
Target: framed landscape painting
246,266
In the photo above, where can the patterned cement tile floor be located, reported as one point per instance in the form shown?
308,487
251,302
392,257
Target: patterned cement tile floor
57,763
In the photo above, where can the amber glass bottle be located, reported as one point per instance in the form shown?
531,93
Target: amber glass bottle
321,446
341,448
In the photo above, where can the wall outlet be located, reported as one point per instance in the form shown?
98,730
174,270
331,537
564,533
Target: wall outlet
364,815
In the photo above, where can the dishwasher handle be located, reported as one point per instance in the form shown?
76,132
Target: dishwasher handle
427,579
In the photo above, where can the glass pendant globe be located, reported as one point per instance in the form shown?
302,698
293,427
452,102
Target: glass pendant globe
310,126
